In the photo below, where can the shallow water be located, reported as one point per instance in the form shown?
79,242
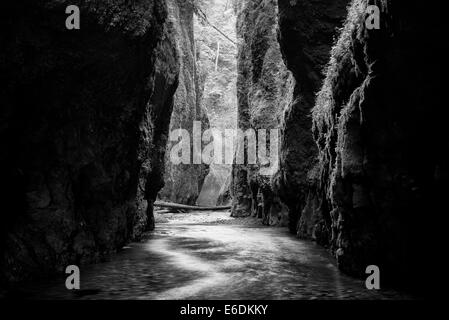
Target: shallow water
190,259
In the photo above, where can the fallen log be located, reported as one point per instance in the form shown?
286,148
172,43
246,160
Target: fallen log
178,206
162,211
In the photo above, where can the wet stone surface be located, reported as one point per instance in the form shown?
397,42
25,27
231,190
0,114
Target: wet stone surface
208,255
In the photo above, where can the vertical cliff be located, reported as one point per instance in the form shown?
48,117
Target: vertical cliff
217,66
383,156
264,89
183,182
83,128
306,32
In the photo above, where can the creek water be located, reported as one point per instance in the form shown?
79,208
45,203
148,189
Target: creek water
207,255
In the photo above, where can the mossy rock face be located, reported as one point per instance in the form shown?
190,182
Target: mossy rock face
380,160
183,182
306,33
83,126
264,90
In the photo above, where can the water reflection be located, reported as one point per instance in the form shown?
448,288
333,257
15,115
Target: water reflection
192,260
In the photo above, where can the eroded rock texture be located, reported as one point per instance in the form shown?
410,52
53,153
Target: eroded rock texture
264,89
183,182
83,128
306,31
217,66
383,153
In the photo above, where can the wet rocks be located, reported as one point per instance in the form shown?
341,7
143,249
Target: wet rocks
83,128
358,175
363,157
217,67
382,156
264,89
306,32
183,182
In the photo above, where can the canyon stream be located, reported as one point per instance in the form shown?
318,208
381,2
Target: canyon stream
209,255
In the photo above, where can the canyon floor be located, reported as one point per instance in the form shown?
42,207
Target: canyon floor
208,255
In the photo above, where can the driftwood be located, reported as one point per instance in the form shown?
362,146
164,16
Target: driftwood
178,206
162,211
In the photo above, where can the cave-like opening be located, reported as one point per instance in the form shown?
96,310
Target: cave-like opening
207,94
215,37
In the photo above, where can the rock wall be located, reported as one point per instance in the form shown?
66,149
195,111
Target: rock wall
217,66
361,170
264,90
383,156
183,182
306,32
83,129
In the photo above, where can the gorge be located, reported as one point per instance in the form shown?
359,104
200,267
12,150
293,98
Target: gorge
85,131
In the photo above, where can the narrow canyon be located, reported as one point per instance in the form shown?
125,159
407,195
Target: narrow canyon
89,129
